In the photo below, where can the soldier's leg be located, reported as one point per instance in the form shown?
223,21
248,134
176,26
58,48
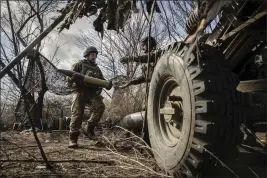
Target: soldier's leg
77,110
97,109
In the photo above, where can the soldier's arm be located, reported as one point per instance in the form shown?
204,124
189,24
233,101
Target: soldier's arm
76,68
136,81
98,92
143,58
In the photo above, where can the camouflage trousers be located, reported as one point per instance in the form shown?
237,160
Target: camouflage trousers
80,100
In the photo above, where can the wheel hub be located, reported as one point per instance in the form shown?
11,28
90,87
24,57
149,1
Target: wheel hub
171,112
167,111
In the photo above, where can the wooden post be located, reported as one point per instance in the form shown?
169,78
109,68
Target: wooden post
61,119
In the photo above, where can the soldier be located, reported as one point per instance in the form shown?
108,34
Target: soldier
147,49
85,95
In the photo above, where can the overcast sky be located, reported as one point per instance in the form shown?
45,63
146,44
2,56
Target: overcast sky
69,52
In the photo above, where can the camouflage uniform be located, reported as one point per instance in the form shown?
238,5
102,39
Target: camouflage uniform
86,95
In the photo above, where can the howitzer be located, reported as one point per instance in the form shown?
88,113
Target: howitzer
87,79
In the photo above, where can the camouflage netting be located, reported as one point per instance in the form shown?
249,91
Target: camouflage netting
55,82
114,12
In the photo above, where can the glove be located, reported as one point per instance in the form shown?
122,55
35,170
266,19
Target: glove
98,92
124,60
69,84
77,79
114,83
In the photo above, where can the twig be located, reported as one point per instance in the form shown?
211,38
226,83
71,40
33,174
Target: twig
222,163
22,149
60,161
253,172
130,166
108,142
125,157
143,8
4,152
107,93
169,32
145,145
250,132
135,153
64,169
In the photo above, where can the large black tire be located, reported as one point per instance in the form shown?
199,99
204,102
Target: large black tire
192,107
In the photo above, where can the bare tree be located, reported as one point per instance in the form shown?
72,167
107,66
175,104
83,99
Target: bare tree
115,45
22,22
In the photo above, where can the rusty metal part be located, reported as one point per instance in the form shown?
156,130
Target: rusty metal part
253,85
244,25
205,14
228,20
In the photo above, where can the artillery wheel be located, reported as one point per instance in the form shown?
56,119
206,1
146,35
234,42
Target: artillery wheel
193,109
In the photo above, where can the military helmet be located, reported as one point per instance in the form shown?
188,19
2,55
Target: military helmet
152,41
90,49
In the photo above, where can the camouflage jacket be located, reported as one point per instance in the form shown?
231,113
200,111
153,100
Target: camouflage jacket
88,68
154,57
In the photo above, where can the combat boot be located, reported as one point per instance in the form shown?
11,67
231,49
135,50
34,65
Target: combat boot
73,140
90,132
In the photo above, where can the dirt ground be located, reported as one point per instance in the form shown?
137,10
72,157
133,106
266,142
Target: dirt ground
20,157
116,154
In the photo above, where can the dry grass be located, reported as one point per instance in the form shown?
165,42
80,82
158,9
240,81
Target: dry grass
118,153
20,157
